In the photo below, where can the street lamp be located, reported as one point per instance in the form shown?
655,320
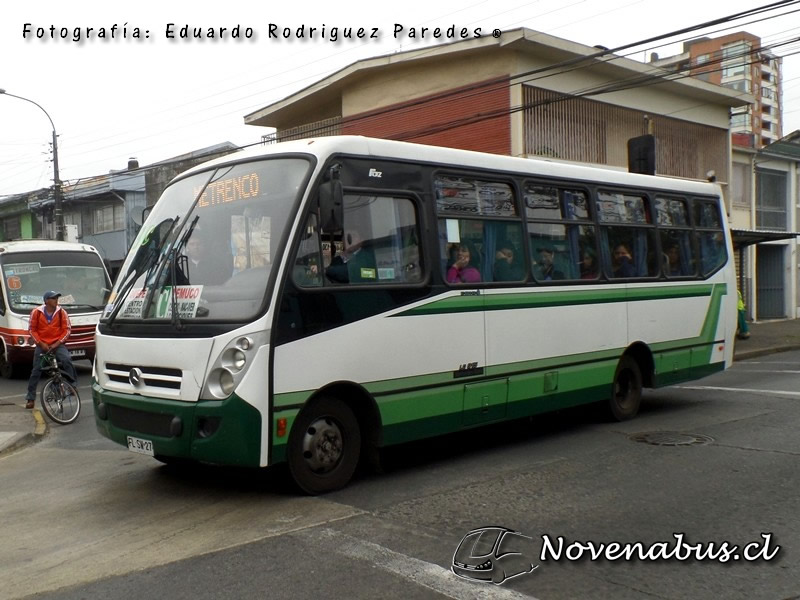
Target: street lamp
57,212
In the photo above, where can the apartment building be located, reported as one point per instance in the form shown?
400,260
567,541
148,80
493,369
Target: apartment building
740,62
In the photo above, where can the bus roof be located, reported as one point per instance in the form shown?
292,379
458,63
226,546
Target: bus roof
389,149
44,246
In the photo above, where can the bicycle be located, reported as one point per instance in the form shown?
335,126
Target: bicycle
60,399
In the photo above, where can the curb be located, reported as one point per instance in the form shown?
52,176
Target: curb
745,354
20,441
23,439
41,426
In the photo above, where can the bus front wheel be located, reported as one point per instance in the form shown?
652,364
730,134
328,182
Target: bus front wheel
324,446
626,394
8,370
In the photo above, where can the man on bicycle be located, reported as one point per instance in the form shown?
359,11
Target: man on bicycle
49,328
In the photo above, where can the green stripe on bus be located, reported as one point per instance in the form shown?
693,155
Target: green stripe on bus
584,296
705,340
435,403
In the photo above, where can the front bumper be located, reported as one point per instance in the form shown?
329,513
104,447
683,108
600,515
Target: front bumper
225,432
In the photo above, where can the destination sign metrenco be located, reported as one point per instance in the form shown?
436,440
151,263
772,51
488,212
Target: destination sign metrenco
229,190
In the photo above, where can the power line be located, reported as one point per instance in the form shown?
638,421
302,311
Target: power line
552,70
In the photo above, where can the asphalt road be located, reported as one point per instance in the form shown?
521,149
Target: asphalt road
84,518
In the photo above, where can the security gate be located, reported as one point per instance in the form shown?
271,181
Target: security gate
770,289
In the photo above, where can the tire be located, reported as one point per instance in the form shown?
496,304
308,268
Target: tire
69,407
8,370
626,392
324,446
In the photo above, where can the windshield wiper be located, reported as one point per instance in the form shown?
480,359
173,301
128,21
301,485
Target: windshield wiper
173,262
137,269
160,276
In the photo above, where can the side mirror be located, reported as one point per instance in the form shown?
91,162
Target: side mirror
331,203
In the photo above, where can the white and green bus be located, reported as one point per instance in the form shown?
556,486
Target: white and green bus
310,302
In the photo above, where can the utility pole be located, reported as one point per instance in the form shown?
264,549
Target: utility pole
58,214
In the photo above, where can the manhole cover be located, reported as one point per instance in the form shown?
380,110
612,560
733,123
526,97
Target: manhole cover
671,438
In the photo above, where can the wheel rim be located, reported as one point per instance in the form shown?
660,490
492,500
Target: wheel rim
62,405
323,445
626,389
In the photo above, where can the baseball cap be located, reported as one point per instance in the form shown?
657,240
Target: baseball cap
51,294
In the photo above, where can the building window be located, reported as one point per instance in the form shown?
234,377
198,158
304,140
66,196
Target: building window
740,186
12,229
740,121
741,85
766,92
771,200
703,58
110,217
766,110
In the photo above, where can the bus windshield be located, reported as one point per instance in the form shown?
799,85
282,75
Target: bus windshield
80,277
206,250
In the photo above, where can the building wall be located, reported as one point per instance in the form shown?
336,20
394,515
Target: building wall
586,130
652,99
463,119
399,83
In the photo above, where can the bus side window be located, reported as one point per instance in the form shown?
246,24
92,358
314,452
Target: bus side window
379,243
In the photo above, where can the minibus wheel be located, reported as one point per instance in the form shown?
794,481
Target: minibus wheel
324,446
626,393
7,369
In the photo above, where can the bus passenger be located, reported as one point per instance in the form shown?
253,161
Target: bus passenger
623,261
546,270
672,260
506,265
588,264
464,269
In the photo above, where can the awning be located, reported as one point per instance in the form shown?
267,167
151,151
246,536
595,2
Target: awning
749,237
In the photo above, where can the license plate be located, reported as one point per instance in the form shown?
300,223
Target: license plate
140,446
77,352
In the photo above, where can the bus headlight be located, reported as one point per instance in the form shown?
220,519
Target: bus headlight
234,360
231,365
221,383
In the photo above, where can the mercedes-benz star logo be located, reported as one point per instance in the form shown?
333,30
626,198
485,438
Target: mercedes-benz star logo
135,376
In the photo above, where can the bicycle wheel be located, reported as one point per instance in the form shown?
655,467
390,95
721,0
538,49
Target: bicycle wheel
60,401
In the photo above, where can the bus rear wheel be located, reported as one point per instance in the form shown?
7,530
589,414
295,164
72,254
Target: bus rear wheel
324,446
626,393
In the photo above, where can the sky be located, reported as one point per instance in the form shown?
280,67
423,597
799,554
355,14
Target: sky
143,94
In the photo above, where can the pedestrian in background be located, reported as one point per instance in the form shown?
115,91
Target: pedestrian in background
743,331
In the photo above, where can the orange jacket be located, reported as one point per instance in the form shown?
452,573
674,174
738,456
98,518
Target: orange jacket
57,330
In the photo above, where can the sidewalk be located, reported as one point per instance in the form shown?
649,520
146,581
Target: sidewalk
19,426
767,337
